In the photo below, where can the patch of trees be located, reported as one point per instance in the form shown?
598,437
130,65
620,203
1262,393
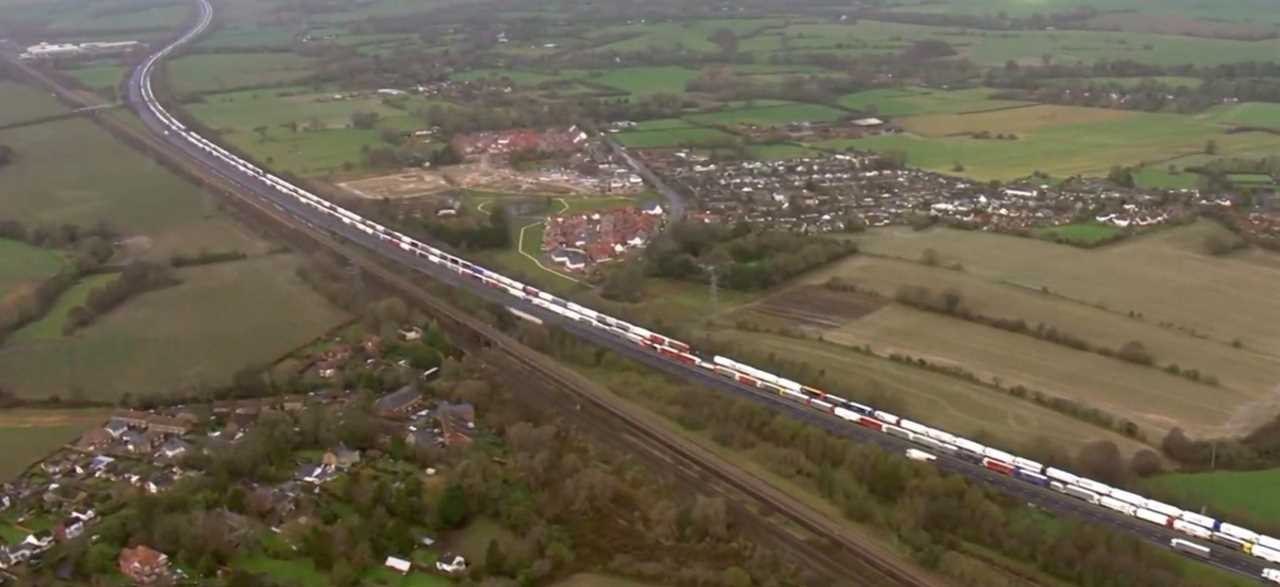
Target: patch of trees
951,303
92,244
136,279
467,232
744,257
933,514
207,258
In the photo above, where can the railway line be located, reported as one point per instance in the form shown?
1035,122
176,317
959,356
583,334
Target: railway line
309,220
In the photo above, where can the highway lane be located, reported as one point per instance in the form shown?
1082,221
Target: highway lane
1040,497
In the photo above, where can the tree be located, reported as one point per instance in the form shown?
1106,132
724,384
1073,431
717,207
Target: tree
452,509
1101,460
495,562
625,283
1211,147
364,120
1121,176
1145,463
726,40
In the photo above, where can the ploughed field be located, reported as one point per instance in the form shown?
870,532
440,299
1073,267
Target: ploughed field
1189,309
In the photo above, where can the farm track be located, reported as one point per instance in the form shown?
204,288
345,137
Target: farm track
839,556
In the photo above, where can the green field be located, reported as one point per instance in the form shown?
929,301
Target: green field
781,152
518,77
673,137
220,319
1058,140
99,76
23,103
1223,492
30,434
691,35
21,263
1247,114
1086,233
50,327
220,72
1159,177
302,571
1232,11
778,115
248,37
167,16
914,102
108,182
1166,276
643,81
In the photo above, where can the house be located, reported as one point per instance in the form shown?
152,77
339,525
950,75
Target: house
314,474
451,563
159,482
84,516
40,541
174,448
398,403
68,529
94,438
6,559
135,441
413,332
143,564
457,422
100,463
5,502
398,565
341,458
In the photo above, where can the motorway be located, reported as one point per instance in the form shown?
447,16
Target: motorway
1042,498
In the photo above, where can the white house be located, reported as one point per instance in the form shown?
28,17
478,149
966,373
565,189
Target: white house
451,563
398,565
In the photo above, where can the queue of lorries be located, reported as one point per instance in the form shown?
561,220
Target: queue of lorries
931,441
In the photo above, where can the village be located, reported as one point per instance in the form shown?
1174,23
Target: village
842,191
150,452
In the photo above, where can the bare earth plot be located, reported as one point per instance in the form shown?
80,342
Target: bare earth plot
935,399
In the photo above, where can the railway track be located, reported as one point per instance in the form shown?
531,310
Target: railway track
845,559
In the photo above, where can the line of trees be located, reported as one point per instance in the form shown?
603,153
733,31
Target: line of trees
935,515
951,303
136,279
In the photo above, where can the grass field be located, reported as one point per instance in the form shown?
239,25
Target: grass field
643,81
773,115
690,35
687,135
1058,140
29,434
22,263
50,327
110,183
220,72
301,571
23,103
1247,114
914,102
165,16
1159,177
1166,276
957,406
220,319
1085,233
1252,492
99,76
1017,120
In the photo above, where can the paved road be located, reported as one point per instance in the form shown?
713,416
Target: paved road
676,206
1040,497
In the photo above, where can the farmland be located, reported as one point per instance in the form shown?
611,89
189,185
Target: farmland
23,103
895,102
1058,140
219,319
22,263
1225,491
50,327
1166,277
642,81
958,406
1247,114
112,184
675,136
99,76
164,16
199,74
774,115
1085,233
31,434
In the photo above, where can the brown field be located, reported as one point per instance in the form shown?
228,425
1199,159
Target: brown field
410,184
1155,275
1014,120
957,406
815,306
